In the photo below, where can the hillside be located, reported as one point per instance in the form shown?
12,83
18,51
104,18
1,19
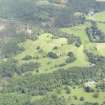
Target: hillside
52,52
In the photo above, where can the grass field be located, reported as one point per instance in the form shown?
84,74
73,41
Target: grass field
97,17
78,31
47,44
38,49
101,48
74,97
101,26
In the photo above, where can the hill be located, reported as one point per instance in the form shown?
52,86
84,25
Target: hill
52,52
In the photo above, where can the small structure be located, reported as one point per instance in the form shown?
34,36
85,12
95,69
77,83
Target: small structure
92,64
91,12
89,86
29,30
25,28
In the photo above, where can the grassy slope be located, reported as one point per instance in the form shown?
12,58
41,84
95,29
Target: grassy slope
79,31
100,19
47,43
97,17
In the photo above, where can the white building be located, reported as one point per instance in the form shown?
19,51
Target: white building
90,84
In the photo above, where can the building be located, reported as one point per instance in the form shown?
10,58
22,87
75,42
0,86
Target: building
89,86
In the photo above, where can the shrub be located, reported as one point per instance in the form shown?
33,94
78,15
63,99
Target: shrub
70,54
52,55
67,89
95,95
75,97
29,66
27,57
70,59
55,48
81,98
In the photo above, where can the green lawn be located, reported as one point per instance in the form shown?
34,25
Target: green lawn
46,44
78,31
101,48
101,26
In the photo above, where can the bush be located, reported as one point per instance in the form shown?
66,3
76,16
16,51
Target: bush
55,48
67,89
52,55
70,59
29,66
95,95
38,47
93,58
95,34
11,48
70,54
75,97
74,40
27,57
81,98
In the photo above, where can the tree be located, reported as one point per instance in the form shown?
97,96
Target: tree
71,58
8,68
81,98
52,55
10,48
67,89
96,95
81,5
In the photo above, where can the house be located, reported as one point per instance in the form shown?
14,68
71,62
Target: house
89,86
91,13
